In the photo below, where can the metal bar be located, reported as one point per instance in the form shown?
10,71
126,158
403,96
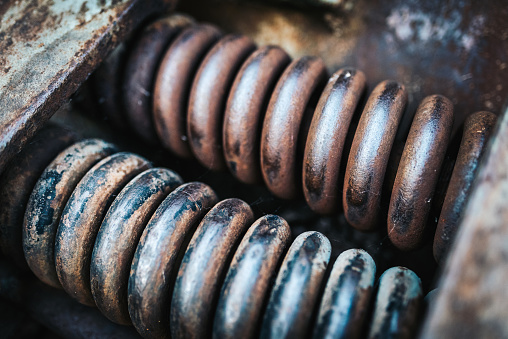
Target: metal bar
47,49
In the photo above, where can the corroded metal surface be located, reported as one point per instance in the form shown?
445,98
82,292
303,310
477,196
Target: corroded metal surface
296,289
471,299
303,111
458,49
173,84
119,235
245,109
159,254
82,217
208,97
327,136
47,49
477,131
344,307
18,181
369,154
418,172
203,267
48,200
398,305
141,66
280,164
250,275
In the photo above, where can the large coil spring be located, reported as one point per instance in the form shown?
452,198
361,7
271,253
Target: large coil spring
267,118
172,260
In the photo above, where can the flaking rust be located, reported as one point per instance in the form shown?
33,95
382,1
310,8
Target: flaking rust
47,49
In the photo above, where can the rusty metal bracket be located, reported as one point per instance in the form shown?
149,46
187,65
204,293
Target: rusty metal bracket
47,49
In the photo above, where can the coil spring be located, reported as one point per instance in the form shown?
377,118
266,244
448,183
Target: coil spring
133,240
252,110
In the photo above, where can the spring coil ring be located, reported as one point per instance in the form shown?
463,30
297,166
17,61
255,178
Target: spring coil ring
266,118
167,257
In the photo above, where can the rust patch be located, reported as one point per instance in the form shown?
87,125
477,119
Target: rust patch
47,49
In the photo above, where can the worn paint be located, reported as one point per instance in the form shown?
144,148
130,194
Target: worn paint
204,266
82,218
158,256
18,181
48,200
343,310
248,281
296,289
118,237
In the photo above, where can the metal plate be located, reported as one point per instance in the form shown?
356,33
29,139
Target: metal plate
47,49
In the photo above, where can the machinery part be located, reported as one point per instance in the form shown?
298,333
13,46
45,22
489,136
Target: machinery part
306,118
346,299
122,226
82,217
471,297
44,59
194,268
477,131
141,65
48,200
17,184
397,304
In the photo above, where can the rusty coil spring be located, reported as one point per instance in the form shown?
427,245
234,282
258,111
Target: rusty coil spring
265,117
169,258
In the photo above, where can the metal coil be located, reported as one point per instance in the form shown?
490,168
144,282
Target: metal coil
267,118
172,260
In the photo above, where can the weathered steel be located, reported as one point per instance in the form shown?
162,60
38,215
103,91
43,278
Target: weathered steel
47,49
343,312
296,290
418,172
327,136
459,49
159,254
141,69
246,108
369,154
472,294
280,164
398,305
119,235
248,282
173,84
204,266
48,200
82,217
477,131
18,181
208,97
